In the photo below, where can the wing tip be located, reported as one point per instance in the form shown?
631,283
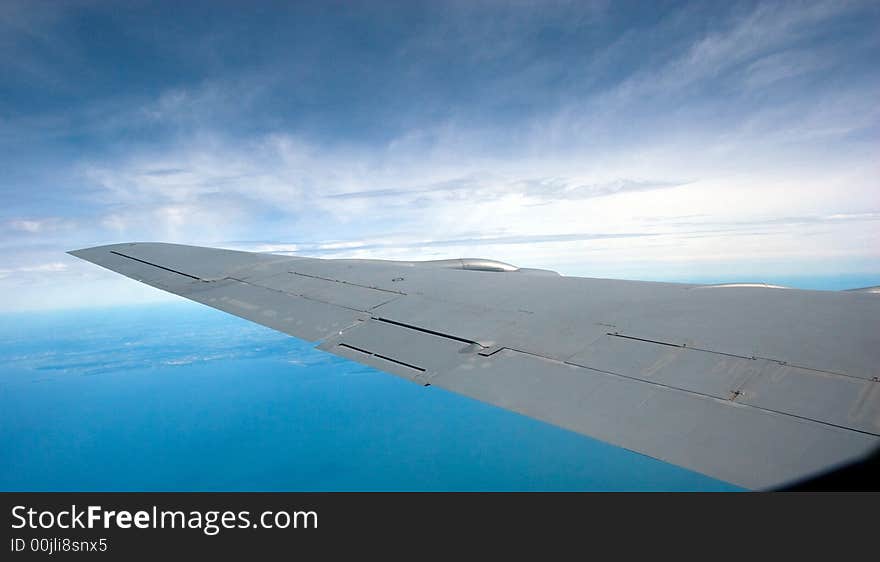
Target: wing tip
93,251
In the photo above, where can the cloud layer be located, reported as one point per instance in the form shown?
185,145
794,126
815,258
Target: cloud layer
596,139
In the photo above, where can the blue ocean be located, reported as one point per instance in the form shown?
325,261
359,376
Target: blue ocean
181,397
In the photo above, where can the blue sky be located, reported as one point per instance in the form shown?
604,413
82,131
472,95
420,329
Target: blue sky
663,140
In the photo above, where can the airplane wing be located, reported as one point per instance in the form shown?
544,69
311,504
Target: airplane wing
751,384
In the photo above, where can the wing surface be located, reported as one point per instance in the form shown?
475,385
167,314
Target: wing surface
753,385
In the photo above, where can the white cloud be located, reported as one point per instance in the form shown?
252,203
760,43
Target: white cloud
52,267
41,225
294,196
26,225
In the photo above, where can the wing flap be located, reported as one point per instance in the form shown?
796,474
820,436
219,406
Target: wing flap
840,400
701,372
720,438
767,323
850,402
411,353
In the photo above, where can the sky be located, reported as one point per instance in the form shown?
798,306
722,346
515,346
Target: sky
651,140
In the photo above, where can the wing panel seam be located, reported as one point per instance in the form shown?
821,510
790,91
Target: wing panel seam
313,299
347,283
426,331
752,358
156,265
385,357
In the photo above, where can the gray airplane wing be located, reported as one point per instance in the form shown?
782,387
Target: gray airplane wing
750,384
